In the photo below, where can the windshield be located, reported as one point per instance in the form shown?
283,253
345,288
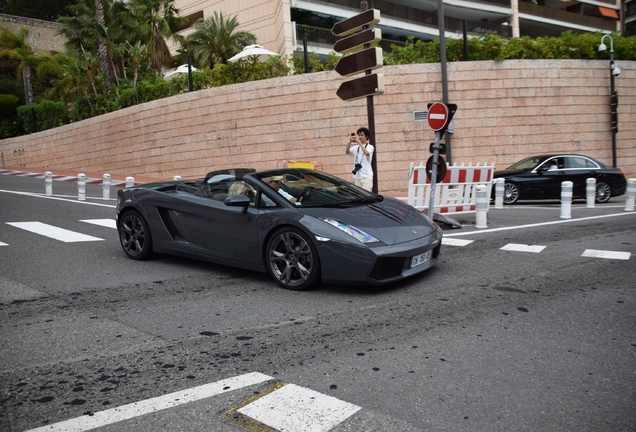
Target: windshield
527,163
318,189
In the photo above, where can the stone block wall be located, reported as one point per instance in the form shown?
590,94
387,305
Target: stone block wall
507,110
42,35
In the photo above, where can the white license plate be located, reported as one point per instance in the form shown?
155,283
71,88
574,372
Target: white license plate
421,258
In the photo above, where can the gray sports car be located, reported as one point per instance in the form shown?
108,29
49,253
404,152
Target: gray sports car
300,225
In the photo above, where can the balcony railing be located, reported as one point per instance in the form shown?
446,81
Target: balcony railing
323,38
566,17
427,19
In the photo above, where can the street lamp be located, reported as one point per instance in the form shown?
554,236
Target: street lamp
614,71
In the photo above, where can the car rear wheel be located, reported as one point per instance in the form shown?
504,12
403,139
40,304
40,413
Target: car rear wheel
134,236
511,193
292,259
603,192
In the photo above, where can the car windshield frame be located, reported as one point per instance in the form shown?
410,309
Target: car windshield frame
324,190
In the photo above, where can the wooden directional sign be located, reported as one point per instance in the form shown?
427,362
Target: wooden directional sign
355,23
352,42
368,85
361,61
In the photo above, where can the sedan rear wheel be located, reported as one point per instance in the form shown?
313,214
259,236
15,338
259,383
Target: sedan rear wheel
511,193
134,236
292,259
603,192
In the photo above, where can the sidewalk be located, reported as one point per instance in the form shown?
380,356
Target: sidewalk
71,175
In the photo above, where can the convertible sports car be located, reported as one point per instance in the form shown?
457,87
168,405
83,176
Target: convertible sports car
540,178
300,225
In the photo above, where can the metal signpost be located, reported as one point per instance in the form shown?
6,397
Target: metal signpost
362,61
439,116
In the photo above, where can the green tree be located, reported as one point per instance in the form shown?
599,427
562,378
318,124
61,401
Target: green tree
47,10
215,40
70,76
154,22
136,53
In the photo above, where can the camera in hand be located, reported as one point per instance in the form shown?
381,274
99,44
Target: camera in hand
356,168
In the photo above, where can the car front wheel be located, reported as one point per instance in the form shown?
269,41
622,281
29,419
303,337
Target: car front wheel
511,193
603,192
134,236
292,259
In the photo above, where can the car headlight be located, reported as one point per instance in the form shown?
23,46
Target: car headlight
354,232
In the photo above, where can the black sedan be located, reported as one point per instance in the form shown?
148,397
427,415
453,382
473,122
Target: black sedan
301,226
540,178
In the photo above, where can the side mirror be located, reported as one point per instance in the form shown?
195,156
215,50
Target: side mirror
238,201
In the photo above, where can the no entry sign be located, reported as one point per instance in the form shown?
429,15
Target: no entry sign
437,116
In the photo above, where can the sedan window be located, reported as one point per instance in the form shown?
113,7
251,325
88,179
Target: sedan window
578,162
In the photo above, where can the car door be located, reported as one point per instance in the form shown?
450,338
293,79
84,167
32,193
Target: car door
578,170
220,231
542,183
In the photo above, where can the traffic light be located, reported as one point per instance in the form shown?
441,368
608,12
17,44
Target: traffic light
614,106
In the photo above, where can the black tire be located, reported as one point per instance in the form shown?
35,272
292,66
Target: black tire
134,236
603,192
292,259
511,193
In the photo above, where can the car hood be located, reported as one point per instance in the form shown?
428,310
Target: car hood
390,221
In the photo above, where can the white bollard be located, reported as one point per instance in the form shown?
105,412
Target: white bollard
48,183
130,181
590,192
500,186
81,187
631,194
481,206
177,178
106,187
566,200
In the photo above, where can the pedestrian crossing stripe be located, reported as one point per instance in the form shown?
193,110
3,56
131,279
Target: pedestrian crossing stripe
592,253
299,409
108,223
56,233
3,244
447,241
523,248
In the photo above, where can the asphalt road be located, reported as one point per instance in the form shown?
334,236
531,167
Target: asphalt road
528,325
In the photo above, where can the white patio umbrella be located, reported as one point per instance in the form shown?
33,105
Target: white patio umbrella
181,69
256,52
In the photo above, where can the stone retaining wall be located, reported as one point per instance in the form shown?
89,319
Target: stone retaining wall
507,110
42,37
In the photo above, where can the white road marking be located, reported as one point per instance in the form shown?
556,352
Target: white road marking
515,247
54,232
3,244
36,195
296,409
108,223
455,242
538,224
593,253
137,409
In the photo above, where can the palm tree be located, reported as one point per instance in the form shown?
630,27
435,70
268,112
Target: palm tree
69,75
17,59
136,53
214,40
155,21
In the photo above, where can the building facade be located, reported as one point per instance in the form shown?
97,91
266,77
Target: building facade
279,25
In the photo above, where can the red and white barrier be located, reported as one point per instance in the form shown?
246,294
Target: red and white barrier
456,193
